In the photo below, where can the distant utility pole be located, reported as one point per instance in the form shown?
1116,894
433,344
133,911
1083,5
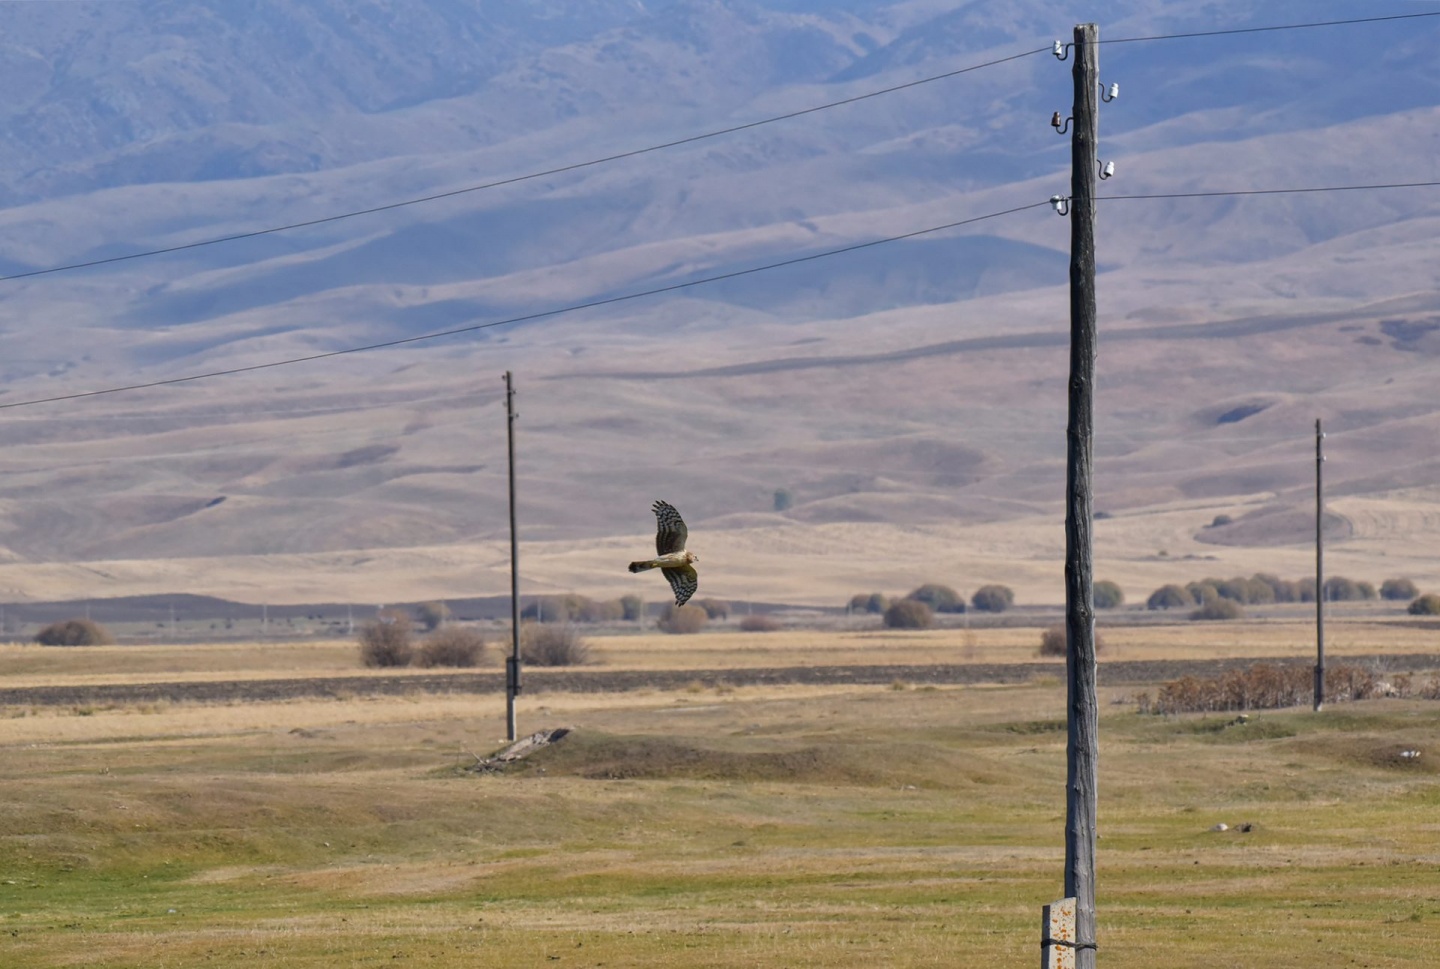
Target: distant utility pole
1319,568
512,662
1082,713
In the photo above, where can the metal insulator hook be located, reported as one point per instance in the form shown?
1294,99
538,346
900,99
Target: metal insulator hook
1060,126
1107,169
1111,94
1061,50
1061,203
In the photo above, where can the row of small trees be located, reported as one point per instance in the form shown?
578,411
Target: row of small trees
389,640
577,608
935,598
1263,589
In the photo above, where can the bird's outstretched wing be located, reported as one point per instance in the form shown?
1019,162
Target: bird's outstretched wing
671,533
684,581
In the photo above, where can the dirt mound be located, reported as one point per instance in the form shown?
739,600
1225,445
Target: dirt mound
604,756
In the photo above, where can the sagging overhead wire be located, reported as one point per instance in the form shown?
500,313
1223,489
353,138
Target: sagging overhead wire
1262,30
1061,202
576,166
543,314
498,183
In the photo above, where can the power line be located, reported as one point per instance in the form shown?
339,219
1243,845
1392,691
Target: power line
563,169
1261,30
675,287
522,319
1268,191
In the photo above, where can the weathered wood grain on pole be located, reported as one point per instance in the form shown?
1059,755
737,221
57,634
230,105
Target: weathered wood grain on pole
512,662
1319,568
1082,718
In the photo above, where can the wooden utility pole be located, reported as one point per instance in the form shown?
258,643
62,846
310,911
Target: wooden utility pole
1082,717
1319,568
512,662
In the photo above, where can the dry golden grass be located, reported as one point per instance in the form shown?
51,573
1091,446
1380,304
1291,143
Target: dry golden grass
834,827
855,642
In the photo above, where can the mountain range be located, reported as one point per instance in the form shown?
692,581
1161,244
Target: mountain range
575,154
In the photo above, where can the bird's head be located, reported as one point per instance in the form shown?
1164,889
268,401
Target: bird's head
691,558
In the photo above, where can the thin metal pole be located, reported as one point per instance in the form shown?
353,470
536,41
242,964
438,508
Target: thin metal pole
1319,568
1082,746
512,662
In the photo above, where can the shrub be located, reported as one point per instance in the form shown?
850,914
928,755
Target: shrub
552,644
993,598
759,624
940,598
1282,590
431,615
1220,520
1398,590
611,610
1170,597
553,609
909,614
683,620
714,608
1053,642
451,646
868,602
1264,686
1426,605
386,640
632,608
1216,607
1204,589
1108,595
74,632
1340,589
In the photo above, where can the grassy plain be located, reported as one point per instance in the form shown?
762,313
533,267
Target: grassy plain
800,826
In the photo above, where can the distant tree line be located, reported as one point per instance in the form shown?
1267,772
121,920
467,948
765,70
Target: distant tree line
1225,598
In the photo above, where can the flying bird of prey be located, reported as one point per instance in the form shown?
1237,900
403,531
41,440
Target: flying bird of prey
676,564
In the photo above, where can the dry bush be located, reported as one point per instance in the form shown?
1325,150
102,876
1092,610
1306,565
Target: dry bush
1170,597
759,624
552,644
632,608
74,632
940,598
1340,589
387,640
1108,595
431,615
555,608
1283,590
714,608
1426,605
909,614
1264,687
1215,608
868,602
1398,590
683,620
452,646
993,598
611,610
1053,642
